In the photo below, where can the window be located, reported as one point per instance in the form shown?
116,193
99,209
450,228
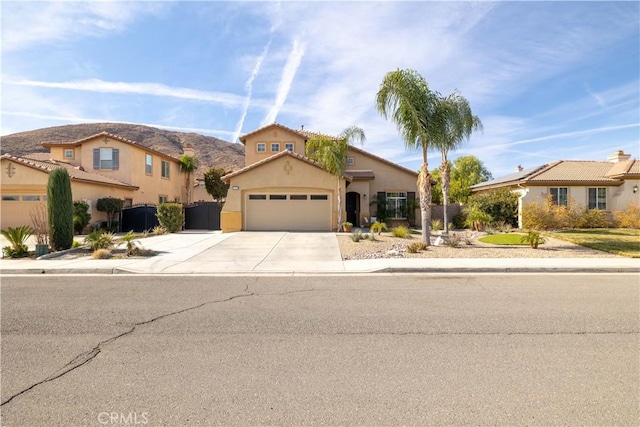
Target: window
559,195
257,197
30,198
163,199
68,154
277,197
597,198
10,198
319,197
165,169
351,161
148,164
275,147
106,158
261,147
298,197
288,146
397,204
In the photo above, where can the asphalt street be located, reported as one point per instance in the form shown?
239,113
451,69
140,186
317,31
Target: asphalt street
385,349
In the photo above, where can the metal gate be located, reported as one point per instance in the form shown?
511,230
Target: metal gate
202,216
139,218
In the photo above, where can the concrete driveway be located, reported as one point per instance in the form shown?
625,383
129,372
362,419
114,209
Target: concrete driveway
273,251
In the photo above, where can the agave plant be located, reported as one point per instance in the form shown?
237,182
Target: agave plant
100,239
17,237
533,238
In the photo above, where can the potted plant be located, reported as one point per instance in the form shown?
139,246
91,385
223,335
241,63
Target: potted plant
346,226
40,229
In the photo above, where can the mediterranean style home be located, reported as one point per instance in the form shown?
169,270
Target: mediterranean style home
608,185
102,165
281,189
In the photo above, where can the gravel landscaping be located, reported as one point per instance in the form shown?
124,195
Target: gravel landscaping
387,246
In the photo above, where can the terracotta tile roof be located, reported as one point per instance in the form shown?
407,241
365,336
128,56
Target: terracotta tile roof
625,169
49,144
76,173
288,129
227,177
574,171
38,156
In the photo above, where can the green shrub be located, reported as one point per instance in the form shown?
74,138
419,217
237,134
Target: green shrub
533,239
436,225
629,217
170,216
81,216
100,239
130,242
476,219
17,238
60,209
400,231
76,244
459,220
500,203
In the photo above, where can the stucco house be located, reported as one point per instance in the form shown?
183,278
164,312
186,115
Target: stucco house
102,165
281,189
608,185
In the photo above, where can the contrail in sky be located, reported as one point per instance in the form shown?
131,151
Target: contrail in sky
249,87
288,74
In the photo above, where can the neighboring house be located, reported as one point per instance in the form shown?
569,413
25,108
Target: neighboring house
608,185
281,189
102,165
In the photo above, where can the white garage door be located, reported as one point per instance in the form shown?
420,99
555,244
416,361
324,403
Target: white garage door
285,211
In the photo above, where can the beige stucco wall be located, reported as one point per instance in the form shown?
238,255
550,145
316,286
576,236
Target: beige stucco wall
33,182
131,169
267,136
618,197
286,174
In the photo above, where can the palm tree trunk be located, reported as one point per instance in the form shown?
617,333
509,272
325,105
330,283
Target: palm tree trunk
339,207
424,187
188,189
446,171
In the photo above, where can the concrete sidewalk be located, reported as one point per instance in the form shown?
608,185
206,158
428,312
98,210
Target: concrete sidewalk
252,253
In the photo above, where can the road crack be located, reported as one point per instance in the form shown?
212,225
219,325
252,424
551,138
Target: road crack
87,356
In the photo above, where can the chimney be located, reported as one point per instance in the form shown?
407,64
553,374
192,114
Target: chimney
618,157
301,127
519,168
189,150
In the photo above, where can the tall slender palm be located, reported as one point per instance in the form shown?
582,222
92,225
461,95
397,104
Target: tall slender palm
404,95
188,165
455,114
331,154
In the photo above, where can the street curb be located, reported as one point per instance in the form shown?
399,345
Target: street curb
387,270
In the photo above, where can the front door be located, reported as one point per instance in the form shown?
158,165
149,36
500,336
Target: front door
353,208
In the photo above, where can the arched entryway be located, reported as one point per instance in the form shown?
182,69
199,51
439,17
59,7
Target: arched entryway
352,206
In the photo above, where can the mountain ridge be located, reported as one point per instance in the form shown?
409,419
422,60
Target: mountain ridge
210,151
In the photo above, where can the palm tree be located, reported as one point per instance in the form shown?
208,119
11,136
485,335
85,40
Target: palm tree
331,154
404,95
188,165
459,123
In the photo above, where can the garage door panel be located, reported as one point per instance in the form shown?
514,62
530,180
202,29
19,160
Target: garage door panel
283,211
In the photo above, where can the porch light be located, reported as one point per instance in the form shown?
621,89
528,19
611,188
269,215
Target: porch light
235,187
635,188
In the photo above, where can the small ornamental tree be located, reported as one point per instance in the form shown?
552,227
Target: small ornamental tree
60,209
500,203
170,216
215,185
111,206
81,215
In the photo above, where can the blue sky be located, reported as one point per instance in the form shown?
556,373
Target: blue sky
549,80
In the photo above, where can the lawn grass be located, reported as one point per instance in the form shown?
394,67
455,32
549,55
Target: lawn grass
619,241
510,239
